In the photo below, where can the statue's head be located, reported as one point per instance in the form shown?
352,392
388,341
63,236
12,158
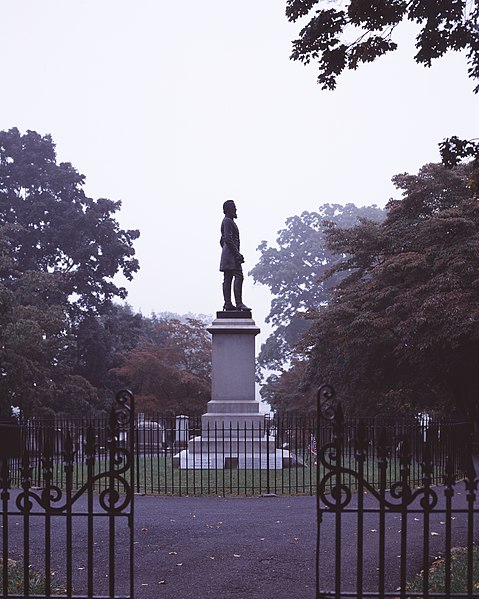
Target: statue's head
229,208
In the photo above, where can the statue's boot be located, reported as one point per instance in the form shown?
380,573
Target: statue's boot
238,291
228,305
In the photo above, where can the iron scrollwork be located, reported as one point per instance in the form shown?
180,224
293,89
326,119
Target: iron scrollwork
327,403
118,491
336,485
329,455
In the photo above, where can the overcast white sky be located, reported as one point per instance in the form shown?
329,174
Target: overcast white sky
174,107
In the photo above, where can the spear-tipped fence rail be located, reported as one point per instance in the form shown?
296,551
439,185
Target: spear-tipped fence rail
376,527
67,533
289,464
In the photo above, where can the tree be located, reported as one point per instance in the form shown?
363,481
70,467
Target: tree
102,342
170,370
360,31
286,391
55,228
292,270
401,331
59,252
35,341
370,24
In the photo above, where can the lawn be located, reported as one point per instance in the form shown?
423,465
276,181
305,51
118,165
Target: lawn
156,474
459,574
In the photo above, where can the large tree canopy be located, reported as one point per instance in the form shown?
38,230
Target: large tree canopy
343,34
36,342
292,270
65,346
53,227
402,329
360,31
170,368
59,253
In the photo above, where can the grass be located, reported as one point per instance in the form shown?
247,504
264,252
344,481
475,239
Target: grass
437,570
156,474
15,580
159,475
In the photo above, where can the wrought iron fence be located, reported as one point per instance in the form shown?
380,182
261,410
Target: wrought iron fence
379,530
175,455
68,527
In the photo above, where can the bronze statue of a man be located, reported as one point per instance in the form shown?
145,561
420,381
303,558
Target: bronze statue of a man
231,259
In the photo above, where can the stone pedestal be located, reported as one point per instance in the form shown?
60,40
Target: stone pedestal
233,432
233,405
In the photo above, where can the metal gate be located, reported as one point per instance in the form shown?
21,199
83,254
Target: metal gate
377,532
66,541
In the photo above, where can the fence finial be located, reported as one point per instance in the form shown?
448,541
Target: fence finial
327,403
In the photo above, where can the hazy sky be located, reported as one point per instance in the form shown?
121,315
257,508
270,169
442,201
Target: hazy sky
174,107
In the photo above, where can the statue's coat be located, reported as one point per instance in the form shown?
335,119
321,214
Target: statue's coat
230,243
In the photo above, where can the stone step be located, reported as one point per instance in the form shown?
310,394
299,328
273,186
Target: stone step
234,425
273,461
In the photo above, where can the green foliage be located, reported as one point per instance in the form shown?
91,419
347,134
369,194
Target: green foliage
35,343
170,368
370,24
63,343
454,150
36,580
59,252
360,31
402,329
458,574
286,392
32,336
292,270
53,227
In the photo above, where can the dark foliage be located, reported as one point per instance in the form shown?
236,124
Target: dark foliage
444,25
401,331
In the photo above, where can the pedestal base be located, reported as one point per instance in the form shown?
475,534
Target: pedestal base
233,454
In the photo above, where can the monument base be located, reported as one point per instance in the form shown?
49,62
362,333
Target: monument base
234,314
233,432
237,455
